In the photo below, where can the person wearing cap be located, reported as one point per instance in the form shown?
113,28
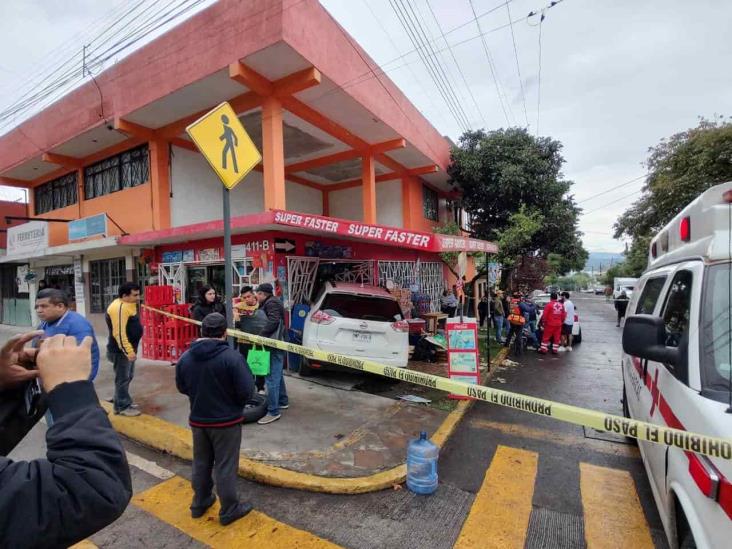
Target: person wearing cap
274,328
218,384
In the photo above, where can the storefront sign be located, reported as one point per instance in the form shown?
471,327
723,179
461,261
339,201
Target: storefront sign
209,254
28,238
59,270
79,288
95,225
172,257
462,350
386,235
315,248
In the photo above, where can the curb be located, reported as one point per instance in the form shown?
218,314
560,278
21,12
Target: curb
173,439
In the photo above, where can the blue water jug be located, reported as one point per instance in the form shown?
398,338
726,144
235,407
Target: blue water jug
422,457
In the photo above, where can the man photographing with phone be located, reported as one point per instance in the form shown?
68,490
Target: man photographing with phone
84,484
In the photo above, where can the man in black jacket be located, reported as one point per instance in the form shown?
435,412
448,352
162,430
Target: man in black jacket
274,329
84,484
218,383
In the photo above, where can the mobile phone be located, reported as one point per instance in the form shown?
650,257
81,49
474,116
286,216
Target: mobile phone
32,396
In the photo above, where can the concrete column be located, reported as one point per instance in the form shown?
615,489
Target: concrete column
160,183
368,187
273,155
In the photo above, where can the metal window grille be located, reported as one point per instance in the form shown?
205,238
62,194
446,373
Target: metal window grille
430,204
106,276
123,171
55,194
426,275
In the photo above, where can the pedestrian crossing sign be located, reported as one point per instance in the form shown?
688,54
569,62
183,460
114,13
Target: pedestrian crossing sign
223,141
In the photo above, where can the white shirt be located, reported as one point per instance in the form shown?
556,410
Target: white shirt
569,307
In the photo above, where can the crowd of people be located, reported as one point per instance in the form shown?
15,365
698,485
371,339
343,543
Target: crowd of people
517,315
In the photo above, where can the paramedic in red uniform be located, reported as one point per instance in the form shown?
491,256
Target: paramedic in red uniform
552,319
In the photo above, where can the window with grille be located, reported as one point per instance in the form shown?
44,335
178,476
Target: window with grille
55,194
430,204
123,171
106,276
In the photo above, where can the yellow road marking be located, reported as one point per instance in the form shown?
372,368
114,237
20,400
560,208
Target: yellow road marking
170,500
613,513
500,513
85,544
562,439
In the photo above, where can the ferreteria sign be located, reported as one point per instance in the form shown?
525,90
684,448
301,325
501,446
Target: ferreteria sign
28,238
379,234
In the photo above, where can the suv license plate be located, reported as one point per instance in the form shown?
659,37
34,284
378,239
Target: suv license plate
360,337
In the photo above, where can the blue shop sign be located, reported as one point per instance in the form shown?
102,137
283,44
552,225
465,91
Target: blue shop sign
89,226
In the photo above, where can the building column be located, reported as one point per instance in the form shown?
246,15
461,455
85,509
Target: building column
326,203
409,215
273,155
368,187
160,183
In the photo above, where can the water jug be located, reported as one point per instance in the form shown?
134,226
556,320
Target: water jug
422,465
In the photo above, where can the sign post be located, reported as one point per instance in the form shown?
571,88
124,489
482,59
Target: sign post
223,141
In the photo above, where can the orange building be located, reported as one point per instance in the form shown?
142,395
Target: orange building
352,179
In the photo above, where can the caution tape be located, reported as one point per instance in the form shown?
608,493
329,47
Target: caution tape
658,434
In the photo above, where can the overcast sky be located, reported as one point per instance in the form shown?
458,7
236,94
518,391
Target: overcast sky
616,75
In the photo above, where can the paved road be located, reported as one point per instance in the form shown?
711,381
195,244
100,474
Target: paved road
508,479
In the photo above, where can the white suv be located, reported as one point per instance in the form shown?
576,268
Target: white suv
359,321
677,367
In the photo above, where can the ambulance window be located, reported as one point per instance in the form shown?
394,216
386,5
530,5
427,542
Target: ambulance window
649,297
678,310
715,336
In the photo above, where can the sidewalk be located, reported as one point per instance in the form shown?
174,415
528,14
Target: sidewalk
328,432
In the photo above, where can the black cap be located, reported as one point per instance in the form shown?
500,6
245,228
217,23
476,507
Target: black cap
266,288
213,325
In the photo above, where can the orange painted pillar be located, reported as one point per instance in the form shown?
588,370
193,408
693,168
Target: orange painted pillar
160,183
273,155
326,203
368,187
409,216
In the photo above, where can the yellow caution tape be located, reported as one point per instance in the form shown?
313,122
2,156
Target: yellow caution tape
658,434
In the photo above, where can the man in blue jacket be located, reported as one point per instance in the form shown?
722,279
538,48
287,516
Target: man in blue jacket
218,383
52,308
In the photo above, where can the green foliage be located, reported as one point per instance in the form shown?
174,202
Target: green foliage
679,169
449,258
507,172
515,240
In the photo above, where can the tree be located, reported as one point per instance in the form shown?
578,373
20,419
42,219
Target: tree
510,181
679,169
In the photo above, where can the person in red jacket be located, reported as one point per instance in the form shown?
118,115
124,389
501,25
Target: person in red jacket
552,319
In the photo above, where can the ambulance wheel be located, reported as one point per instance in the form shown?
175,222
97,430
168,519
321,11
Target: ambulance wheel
255,409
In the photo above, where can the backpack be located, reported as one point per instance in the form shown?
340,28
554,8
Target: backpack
516,318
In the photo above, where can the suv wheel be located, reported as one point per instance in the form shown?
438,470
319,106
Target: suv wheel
305,369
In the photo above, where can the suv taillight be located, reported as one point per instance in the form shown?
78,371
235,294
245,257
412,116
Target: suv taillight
400,326
319,317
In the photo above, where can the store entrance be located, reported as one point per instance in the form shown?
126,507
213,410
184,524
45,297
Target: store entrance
205,275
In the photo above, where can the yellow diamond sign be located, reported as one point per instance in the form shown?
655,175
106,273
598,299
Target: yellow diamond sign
222,139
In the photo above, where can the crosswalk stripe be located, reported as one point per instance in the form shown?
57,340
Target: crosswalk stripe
613,513
169,502
500,513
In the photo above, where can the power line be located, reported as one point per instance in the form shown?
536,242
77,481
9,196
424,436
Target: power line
490,63
538,87
518,66
452,54
409,67
613,202
433,72
611,189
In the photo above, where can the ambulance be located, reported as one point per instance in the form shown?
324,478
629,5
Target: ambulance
677,367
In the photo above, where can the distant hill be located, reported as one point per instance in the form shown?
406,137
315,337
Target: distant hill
601,261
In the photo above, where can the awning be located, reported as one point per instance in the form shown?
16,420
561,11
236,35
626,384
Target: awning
297,222
73,249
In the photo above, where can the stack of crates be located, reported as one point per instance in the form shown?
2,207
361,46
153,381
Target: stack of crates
165,338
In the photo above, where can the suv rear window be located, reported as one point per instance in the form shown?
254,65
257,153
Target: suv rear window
362,307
